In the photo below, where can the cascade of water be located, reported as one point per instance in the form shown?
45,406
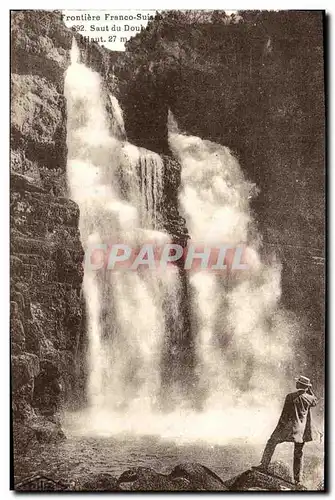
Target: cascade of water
143,175
125,309
243,339
117,129
241,336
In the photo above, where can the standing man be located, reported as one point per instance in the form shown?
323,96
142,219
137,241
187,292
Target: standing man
294,425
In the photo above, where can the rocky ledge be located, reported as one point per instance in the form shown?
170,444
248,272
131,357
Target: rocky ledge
184,477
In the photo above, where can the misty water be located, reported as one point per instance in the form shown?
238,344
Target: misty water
242,338
78,457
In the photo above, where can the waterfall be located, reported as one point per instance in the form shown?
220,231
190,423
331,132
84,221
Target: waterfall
243,339
117,187
143,174
241,336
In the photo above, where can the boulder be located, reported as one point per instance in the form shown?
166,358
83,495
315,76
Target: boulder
276,478
199,477
145,479
184,477
46,431
282,470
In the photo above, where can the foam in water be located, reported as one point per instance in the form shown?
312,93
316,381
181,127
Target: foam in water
242,338
126,320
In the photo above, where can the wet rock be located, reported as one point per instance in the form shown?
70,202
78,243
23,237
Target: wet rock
46,253
17,335
184,477
32,338
276,478
46,431
145,479
199,477
24,368
47,389
173,223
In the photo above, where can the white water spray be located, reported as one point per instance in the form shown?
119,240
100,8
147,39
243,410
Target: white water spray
240,335
243,340
126,320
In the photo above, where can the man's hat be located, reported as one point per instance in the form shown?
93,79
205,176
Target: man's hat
304,381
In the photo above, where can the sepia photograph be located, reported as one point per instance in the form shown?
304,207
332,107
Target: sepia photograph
167,250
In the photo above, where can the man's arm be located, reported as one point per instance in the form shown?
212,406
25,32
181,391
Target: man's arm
314,398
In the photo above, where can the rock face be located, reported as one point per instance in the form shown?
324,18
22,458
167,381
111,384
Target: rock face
47,320
173,223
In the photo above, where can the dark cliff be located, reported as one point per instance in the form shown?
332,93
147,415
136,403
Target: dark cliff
48,339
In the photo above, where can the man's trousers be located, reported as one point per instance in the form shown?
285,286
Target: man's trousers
297,457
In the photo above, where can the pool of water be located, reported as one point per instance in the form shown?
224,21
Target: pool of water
80,455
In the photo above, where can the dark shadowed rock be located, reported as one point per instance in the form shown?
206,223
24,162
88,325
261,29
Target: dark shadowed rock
98,482
145,479
276,478
184,477
32,338
47,431
199,477
25,368
46,253
47,389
